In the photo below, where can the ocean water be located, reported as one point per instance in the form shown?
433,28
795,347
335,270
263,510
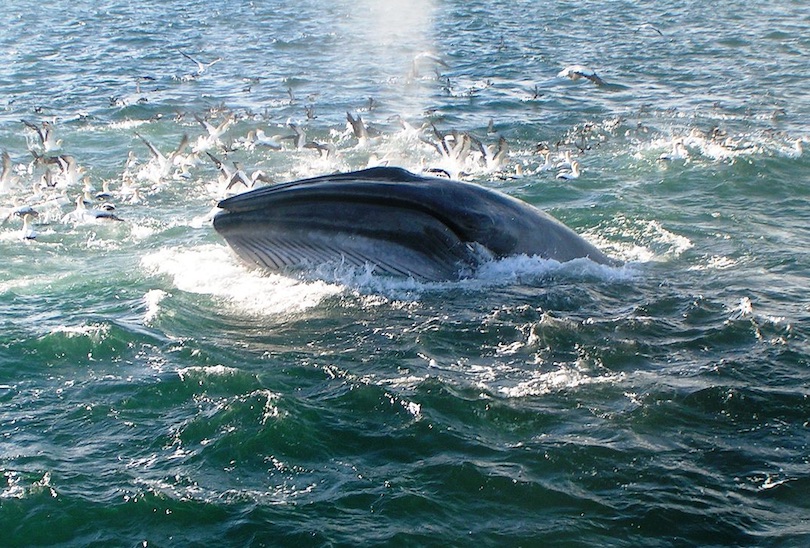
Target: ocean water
156,392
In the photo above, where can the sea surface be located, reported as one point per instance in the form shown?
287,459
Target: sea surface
154,391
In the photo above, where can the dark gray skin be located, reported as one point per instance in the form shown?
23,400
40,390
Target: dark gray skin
401,223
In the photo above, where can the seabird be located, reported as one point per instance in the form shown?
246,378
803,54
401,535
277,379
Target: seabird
23,210
238,177
47,140
227,176
324,149
498,152
82,214
573,173
131,163
7,177
565,160
129,192
201,67
164,163
231,178
547,165
492,155
651,27
678,152
575,72
215,132
423,58
28,232
106,193
358,127
260,176
258,138
299,138
47,179
407,129
69,169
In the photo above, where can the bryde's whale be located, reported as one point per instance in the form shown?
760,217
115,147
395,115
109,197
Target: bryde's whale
399,223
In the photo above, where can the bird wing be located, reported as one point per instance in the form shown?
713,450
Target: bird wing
155,152
37,129
593,78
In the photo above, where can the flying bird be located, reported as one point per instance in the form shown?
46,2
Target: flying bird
201,67
575,72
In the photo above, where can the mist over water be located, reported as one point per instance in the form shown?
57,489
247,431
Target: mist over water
156,391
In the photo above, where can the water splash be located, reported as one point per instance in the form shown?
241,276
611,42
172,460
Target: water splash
212,270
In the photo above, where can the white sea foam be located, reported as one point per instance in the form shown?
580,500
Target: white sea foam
544,382
209,370
152,298
213,270
519,268
141,231
94,331
716,262
649,240
375,289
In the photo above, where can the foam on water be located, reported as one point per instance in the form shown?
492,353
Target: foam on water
639,240
544,382
213,270
94,332
152,299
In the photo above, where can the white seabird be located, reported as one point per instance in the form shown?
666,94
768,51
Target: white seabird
575,72
564,160
424,58
47,138
82,214
7,178
299,138
571,174
547,164
163,164
201,67
325,150
678,152
240,177
258,138
651,27
28,232
106,193
215,133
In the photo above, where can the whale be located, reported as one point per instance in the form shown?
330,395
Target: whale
393,222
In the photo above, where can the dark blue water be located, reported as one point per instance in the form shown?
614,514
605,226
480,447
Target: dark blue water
154,391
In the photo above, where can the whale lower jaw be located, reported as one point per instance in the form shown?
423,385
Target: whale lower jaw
287,252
